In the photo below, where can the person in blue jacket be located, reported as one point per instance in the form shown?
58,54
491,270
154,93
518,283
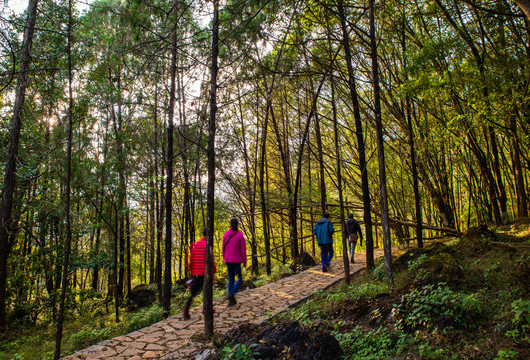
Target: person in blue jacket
324,231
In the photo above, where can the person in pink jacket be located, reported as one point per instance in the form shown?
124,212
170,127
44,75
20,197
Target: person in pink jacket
234,254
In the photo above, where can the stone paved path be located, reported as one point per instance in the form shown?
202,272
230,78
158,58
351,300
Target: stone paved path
170,338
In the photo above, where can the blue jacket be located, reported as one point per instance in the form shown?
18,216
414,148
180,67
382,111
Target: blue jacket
323,230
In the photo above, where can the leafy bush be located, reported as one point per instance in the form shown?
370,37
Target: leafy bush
238,352
87,337
506,354
436,306
379,343
145,318
520,321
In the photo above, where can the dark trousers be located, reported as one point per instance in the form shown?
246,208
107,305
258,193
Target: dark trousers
233,270
326,254
195,288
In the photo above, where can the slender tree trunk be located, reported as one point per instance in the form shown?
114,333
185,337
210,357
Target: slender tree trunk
415,181
128,248
166,301
8,189
360,141
387,245
250,189
68,241
263,197
152,210
208,278
339,188
522,210
322,173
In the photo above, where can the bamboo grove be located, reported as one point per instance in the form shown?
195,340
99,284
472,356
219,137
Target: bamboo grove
113,108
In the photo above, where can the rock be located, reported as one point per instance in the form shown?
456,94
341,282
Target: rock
283,341
302,262
142,295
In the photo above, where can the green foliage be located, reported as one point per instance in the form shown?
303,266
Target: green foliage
436,306
89,336
379,343
520,317
238,352
144,318
506,354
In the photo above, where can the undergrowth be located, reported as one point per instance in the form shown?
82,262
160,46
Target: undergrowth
465,299
90,319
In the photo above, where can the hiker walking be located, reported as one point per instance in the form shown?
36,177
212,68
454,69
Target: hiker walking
196,265
353,230
234,254
324,231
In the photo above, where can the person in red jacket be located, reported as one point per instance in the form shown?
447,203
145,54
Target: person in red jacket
196,265
234,254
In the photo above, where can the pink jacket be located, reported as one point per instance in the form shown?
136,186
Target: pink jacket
236,249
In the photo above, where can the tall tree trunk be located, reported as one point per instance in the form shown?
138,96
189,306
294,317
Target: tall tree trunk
166,301
360,140
8,189
68,240
322,173
522,210
387,245
408,114
152,210
210,194
339,188
128,248
250,189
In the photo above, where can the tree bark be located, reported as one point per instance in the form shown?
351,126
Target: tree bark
68,240
8,189
166,300
208,278
360,140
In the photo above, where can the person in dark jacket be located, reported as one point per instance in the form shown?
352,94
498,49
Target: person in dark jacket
196,266
354,232
324,231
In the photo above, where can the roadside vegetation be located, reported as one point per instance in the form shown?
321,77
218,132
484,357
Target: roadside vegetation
464,298
93,319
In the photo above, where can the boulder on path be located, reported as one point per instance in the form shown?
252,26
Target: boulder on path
286,340
302,262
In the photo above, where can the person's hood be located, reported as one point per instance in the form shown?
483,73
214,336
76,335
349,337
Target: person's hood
322,221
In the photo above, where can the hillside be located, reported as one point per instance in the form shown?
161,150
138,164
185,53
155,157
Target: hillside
464,298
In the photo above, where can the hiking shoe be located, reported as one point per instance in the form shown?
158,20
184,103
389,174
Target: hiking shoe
232,300
186,312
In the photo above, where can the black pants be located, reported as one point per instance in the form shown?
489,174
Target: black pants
195,288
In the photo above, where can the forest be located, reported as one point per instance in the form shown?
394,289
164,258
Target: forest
128,126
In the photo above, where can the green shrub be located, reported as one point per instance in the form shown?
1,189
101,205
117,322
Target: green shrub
144,318
238,352
436,306
379,343
506,354
88,337
520,316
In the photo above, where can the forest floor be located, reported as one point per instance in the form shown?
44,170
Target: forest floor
464,298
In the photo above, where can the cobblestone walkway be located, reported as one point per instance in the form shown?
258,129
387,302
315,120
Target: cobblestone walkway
170,338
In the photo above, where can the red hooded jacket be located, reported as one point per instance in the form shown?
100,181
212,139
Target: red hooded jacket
196,263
